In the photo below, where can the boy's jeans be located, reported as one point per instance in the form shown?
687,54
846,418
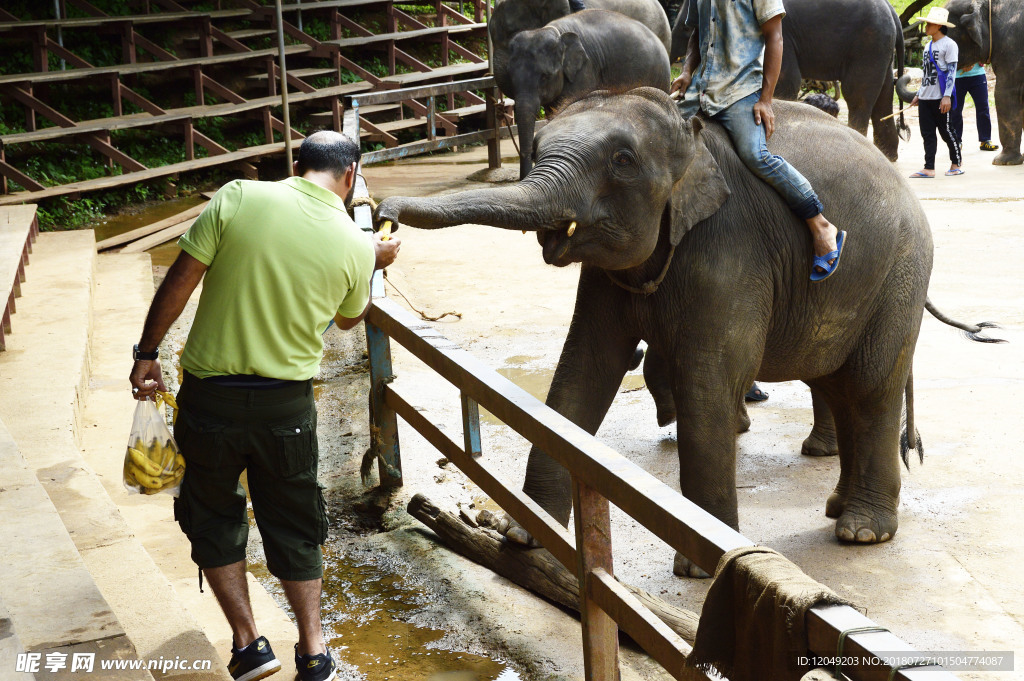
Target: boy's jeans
752,147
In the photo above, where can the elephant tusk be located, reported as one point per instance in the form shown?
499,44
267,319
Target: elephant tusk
572,228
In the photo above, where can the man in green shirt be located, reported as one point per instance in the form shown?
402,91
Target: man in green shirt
281,260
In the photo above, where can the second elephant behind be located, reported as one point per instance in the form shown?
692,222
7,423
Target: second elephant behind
575,55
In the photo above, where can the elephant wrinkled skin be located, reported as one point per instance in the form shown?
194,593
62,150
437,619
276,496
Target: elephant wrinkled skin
644,186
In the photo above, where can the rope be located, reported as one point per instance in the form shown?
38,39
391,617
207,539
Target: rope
367,201
837,669
507,120
423,315
364,201
651,286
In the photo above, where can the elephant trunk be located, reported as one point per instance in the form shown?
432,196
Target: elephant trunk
905,95
523,206
526,120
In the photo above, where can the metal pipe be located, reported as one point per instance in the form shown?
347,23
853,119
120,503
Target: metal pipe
60,32
490,44
284,87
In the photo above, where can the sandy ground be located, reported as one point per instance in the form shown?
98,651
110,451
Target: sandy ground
944,583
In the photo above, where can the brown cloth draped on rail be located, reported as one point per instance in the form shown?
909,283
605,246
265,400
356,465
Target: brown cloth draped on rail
752,623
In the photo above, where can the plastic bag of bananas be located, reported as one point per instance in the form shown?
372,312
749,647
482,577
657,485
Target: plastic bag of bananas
152,462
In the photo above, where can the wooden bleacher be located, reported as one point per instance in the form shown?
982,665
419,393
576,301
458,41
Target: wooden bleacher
225,68
19,228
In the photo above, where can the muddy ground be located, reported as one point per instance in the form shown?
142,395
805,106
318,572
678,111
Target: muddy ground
944,583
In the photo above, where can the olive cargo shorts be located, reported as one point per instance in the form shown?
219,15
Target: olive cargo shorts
222,431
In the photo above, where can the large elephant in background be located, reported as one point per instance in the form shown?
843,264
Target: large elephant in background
577,54
997,38
851,41
681,246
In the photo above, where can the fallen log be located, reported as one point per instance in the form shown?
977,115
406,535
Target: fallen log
153,228
533,569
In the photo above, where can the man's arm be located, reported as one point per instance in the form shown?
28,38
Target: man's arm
170,299
690,64
384,253
772,32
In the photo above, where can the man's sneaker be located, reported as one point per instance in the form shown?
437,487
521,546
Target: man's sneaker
315,667
988,146
255,661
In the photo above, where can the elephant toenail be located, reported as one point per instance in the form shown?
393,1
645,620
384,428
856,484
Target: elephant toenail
885,537
865,535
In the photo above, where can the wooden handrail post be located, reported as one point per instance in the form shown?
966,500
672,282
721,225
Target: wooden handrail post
470,425
594,550
383,420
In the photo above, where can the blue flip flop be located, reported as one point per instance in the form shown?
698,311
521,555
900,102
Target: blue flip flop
822,260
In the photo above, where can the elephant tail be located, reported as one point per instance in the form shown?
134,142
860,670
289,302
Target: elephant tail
900,59
974,332
909,429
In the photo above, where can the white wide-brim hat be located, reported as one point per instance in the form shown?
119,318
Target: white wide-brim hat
936,15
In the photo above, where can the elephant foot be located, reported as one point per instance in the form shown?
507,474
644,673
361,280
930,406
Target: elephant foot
1008,157
819,445
864,528
684,567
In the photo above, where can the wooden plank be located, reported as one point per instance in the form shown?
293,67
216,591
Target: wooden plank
135,19
142,176
104,125
163,236
361,41
442,72
592,516
148,67
298,73
657,638
824,625
134,234
385,96
536,521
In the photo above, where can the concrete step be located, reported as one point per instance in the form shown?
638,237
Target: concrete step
53,607
54,602
193,626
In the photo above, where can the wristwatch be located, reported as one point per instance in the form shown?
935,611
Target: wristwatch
139,354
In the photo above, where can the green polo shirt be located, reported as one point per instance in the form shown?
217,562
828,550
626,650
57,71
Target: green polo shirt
283,258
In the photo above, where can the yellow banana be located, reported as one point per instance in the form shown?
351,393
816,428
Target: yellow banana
149,481
143,462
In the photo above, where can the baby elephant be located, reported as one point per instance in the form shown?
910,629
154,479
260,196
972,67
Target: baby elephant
577,54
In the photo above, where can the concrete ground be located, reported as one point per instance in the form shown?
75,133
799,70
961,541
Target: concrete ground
944,583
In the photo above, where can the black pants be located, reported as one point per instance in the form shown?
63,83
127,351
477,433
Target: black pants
931,120
977,88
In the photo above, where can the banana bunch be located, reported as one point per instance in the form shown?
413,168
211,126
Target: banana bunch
157,465
153,467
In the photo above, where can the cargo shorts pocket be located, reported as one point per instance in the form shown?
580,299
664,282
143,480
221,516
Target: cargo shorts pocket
296,447
200,440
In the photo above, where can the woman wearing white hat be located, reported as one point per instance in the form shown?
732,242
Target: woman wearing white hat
937,92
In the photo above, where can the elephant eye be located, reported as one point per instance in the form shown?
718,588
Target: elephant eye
623,161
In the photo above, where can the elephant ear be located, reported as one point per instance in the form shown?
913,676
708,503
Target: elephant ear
574,57
972,23
701,190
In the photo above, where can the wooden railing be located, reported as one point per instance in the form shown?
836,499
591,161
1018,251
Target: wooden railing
599,476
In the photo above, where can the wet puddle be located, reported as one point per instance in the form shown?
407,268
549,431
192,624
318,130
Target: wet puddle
114,225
